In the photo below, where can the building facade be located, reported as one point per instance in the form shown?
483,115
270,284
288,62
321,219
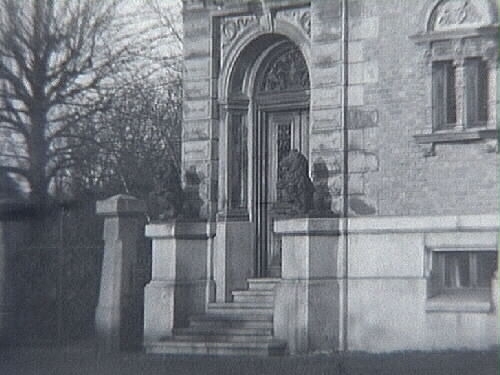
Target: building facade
393,104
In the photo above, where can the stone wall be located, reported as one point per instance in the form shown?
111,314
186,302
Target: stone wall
199,136
390,306
389,96
326,70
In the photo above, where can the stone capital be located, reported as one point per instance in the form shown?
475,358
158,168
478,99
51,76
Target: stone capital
121,205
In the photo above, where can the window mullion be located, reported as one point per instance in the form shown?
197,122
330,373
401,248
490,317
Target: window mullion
491,93
460,95
439,96
473,268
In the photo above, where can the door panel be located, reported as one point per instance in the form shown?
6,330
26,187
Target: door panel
283,132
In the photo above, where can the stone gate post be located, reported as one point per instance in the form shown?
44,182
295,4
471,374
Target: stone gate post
123,224
308,310
181,283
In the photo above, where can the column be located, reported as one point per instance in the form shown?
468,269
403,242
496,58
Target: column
119,295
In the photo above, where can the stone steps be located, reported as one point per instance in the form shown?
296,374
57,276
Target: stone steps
239,308
241,327
224,338
175,346
248,320
253,296
228,331
262,284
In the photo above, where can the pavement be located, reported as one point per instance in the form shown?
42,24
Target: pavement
85,359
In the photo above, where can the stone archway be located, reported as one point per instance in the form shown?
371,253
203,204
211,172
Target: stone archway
266,116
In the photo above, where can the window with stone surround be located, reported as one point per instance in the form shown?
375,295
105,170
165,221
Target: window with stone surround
459,63
474,92
460,279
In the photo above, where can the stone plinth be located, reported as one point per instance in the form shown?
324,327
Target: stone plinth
307,303
234,257
118,296
180,283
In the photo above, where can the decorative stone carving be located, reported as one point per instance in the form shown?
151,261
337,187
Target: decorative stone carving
233,26
428,149
200,4
294,185
427,56
287,72
491,146
453,14
166,200
300,17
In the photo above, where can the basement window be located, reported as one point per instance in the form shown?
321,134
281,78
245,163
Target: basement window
460,280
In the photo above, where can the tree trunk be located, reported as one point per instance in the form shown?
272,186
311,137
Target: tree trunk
39,182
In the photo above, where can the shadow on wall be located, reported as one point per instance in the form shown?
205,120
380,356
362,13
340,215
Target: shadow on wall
322,199
360,207
192,199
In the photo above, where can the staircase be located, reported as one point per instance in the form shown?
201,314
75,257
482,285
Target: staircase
241,327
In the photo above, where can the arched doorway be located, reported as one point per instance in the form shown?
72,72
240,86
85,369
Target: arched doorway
266,115
281,100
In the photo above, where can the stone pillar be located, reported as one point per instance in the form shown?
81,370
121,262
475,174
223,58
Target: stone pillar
234,257
118,296
307,311
180,283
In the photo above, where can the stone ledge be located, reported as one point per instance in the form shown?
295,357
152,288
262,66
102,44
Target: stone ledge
456,136
121,205
162,283
459,304
432,36
409,224
186,230
387,224
307,226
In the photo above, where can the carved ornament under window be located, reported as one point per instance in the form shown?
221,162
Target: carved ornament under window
288,72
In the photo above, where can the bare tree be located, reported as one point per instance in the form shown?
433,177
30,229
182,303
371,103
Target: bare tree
56,58
140,130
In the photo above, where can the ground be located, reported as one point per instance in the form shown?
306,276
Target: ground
86,360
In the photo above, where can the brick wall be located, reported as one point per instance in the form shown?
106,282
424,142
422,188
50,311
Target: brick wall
388,104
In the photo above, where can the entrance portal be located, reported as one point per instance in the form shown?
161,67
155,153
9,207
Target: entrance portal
282,103
283,131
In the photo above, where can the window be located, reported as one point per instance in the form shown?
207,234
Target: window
474,92
460,38
460,280
444,95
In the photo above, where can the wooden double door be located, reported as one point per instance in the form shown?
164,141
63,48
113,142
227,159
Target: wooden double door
279,132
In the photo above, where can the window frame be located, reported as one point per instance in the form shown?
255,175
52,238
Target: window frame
442,97
441,298
457,46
